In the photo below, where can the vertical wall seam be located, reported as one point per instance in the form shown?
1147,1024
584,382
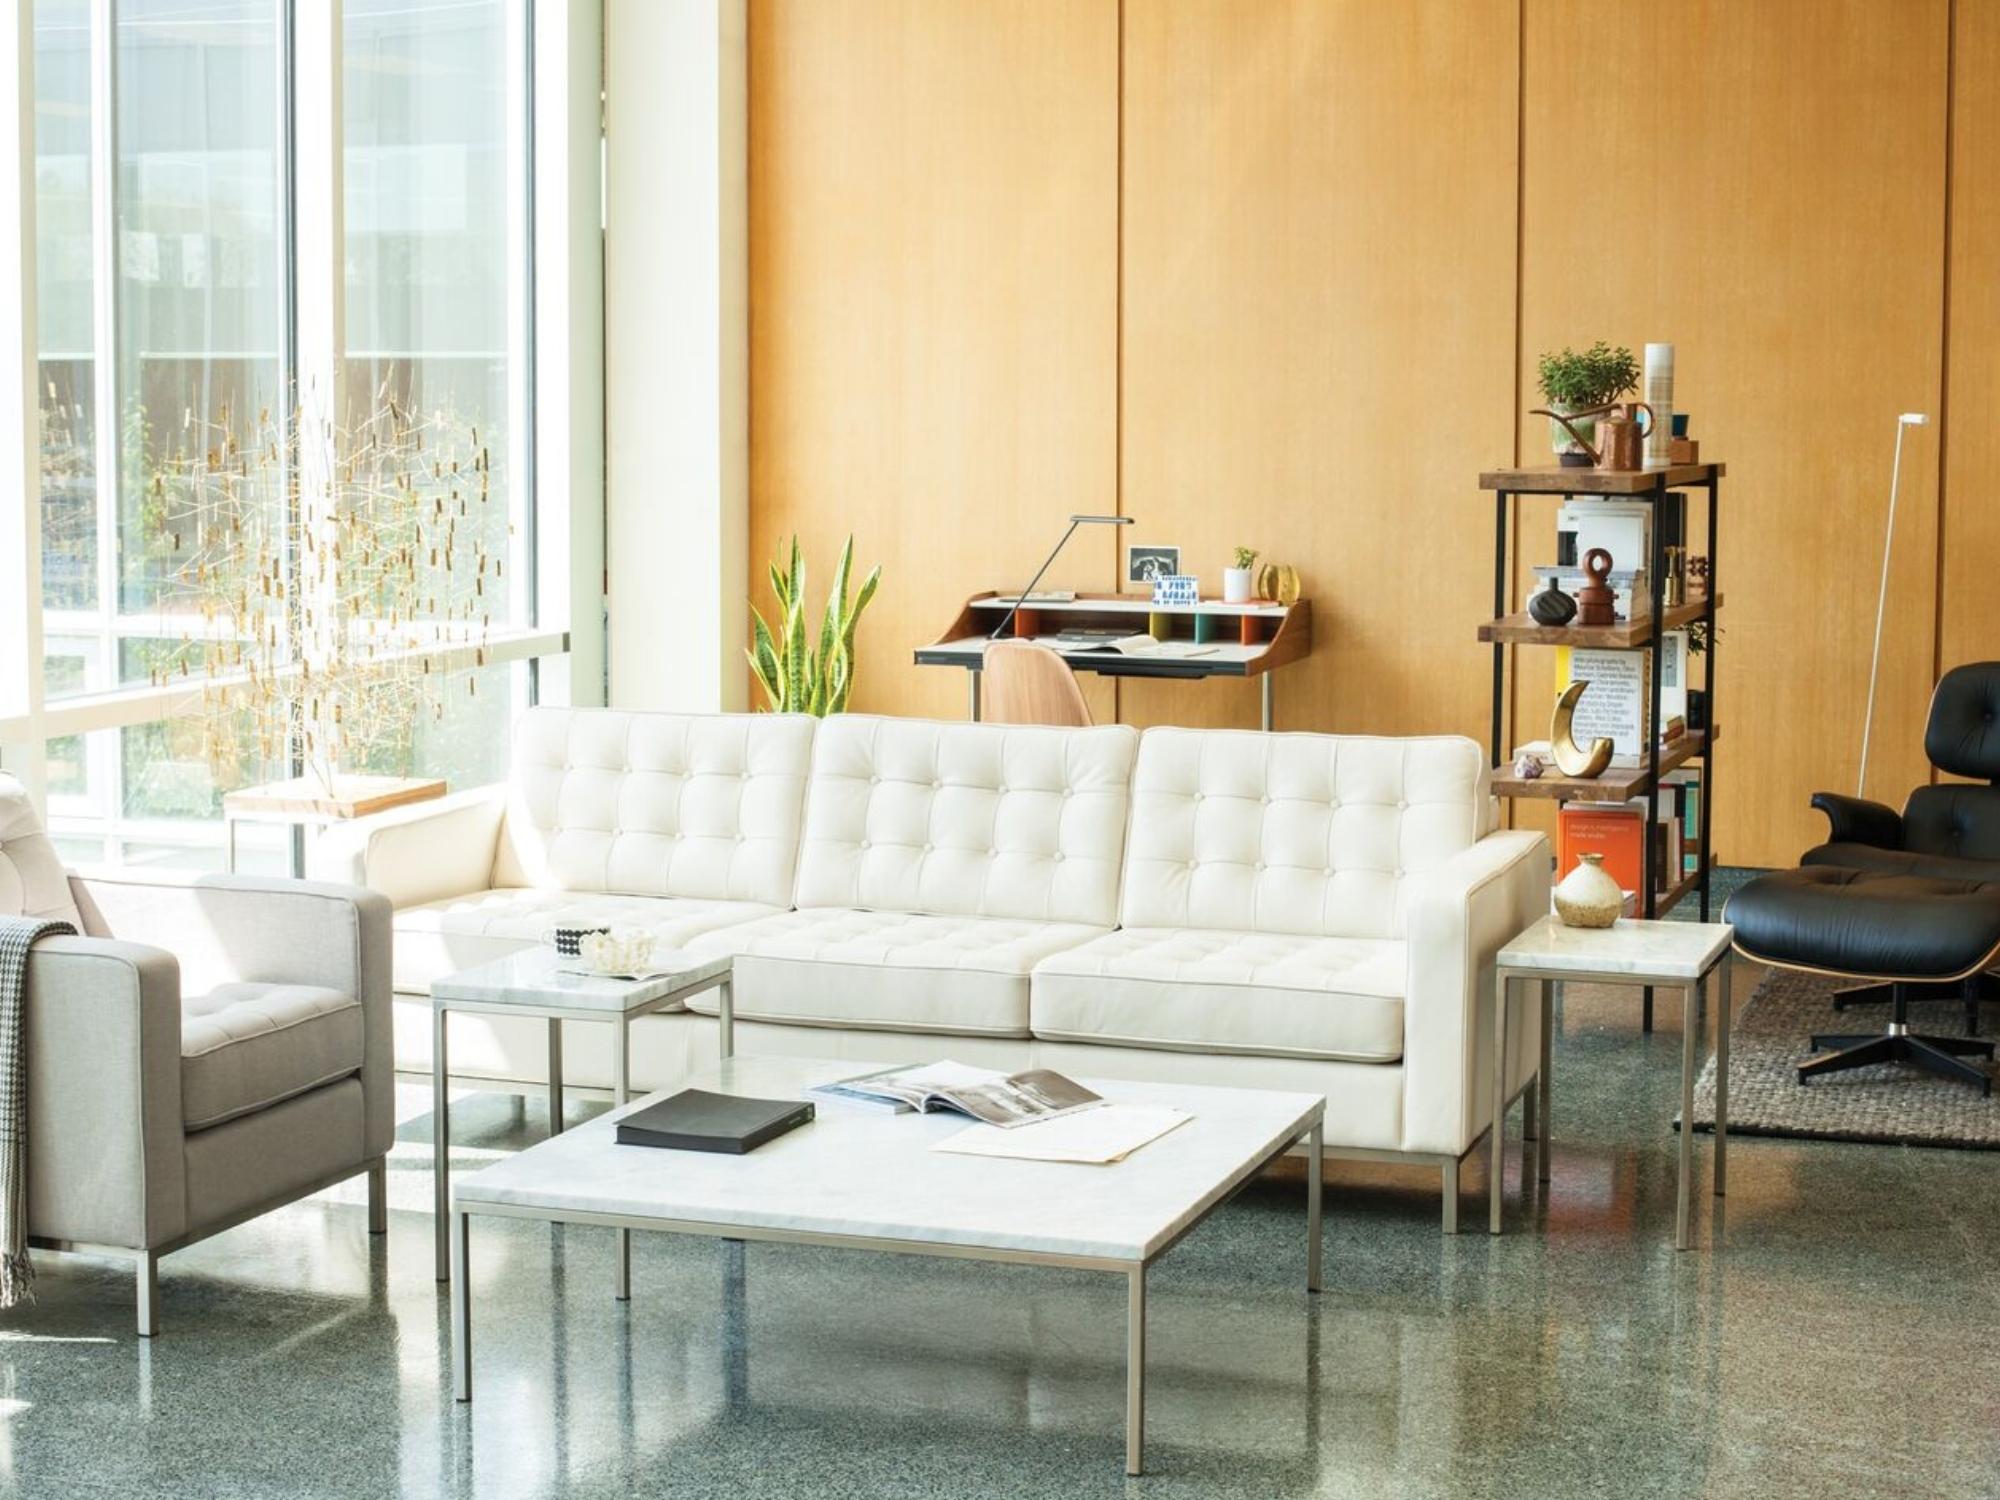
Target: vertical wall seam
1118,351
1510,709
1944,350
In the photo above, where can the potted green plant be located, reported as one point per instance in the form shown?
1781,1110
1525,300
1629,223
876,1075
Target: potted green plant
1574,382
801,674
1236,580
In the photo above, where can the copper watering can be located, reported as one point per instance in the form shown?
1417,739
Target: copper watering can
1621,440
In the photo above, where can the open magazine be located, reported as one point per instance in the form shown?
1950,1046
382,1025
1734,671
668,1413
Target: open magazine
1146,645
991,1097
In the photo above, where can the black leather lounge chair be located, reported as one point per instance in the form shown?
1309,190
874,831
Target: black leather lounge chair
1901,901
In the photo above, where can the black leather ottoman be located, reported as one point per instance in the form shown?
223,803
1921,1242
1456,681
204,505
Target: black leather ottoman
1901,928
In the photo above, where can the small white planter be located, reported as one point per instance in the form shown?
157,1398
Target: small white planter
1235,585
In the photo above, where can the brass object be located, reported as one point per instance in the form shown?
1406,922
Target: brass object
1571,758
1279,583
1675,587
1621,440
1595,603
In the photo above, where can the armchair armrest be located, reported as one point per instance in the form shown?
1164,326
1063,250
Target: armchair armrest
424,852
248,927
1855,820
1457,919
106,1163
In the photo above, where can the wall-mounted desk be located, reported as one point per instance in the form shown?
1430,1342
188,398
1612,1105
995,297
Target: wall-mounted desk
1280,633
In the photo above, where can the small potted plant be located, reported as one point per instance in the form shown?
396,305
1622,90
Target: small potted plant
1236,580
1575,382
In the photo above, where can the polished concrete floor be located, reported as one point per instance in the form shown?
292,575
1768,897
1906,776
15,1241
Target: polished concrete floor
1833,1335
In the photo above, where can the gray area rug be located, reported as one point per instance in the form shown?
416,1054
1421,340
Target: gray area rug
1892,1103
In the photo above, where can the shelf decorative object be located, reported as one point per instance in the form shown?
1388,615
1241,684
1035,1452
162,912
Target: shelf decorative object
1236,581
1571,758
1574,384
1551,606
332,575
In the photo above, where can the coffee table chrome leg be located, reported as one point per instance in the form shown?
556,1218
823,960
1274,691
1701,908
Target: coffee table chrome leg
1542,1082
621,1091
461,1309
1728,967
1135,1371
1689,1048
555,1076
1315,1190
725,1004
440,1143
1496,1146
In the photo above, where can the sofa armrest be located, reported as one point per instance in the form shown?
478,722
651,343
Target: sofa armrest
106,1162
250,927
427,851
1457,919
1855,820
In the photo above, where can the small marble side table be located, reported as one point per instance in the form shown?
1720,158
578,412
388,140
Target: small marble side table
1664,955
536,983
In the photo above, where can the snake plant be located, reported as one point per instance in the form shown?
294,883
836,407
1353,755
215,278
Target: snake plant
802,679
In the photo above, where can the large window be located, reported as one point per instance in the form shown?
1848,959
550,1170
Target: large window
173,324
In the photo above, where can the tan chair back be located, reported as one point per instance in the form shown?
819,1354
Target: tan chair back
1030,684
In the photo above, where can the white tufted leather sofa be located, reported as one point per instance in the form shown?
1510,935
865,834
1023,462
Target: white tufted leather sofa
1287,911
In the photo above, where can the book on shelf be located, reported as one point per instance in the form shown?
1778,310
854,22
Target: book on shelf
1617,831
1006,1100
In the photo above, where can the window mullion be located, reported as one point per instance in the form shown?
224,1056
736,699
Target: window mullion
20,396
104,296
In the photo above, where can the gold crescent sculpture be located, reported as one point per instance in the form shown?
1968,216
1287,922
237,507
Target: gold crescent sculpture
1571,758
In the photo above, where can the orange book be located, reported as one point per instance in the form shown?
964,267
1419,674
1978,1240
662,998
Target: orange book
1611,829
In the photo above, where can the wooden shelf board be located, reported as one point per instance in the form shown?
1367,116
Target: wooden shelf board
1134,604
1521,630
1617,784
1553,479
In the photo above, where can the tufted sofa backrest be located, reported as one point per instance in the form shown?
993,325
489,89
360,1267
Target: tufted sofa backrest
33,882
706,806
1294,833
988,820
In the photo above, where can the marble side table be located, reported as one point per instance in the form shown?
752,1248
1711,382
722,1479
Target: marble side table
536,983
1664,955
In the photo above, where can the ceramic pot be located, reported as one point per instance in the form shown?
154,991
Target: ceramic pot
1552,606
1236,585
1588,896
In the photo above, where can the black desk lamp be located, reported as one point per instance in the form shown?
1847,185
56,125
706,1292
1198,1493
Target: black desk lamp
1074,522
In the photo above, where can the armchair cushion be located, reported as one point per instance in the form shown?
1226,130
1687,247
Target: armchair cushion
1901,862
244,1047
1855,820
1270,994
33,882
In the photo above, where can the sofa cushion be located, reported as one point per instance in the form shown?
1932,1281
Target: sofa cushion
442,937
33,882
245,1046
1311,834
897,971
1268,994
972,820
700,806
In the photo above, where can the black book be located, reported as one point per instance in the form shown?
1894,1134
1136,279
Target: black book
694,1120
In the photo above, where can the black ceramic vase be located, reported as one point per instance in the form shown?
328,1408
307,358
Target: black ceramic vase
1552,606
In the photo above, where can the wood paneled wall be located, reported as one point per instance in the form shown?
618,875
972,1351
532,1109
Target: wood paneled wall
1276,272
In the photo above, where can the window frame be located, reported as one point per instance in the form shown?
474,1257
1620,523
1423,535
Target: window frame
552,57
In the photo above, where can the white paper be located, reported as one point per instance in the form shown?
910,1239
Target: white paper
1108,1133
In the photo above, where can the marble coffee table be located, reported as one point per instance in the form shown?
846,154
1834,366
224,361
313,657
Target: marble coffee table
1661,955
866,1181
537,983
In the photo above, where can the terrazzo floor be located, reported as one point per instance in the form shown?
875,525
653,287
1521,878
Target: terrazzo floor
1833,1335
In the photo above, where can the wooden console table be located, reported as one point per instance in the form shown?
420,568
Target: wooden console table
1251,640
302,801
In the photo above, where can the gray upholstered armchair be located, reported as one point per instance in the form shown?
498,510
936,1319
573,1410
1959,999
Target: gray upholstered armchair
213,1048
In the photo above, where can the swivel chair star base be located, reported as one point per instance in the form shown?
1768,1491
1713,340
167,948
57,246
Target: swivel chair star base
1943,1055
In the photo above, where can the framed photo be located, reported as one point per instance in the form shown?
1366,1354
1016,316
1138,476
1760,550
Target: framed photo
1144,564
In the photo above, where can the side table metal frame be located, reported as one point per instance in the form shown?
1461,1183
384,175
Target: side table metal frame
621,1082
1505,977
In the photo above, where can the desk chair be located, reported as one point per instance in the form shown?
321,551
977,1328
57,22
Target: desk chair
1030,684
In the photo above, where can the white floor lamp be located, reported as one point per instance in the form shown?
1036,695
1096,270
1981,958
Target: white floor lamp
1904,423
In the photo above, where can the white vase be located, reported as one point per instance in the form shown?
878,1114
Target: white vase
1235,585
1588,896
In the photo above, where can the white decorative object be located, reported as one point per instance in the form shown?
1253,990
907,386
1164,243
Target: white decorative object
1660,397
1177,589
1236,585
626,951
1588,896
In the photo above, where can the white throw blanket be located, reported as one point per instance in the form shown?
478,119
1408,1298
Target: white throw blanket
17,936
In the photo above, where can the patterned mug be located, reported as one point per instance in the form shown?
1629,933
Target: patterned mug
568,939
